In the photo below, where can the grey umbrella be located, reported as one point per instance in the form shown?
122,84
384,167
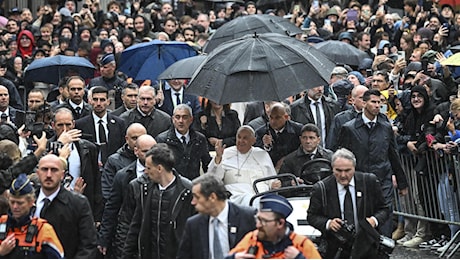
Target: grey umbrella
250,24
260,68
182,69
341,52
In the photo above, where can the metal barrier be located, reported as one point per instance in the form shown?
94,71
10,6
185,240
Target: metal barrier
433,194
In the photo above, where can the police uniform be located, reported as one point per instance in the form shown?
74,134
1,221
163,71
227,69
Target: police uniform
269,250
34,237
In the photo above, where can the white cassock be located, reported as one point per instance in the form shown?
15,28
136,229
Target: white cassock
238,171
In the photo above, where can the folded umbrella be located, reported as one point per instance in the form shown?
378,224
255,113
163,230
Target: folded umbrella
262,67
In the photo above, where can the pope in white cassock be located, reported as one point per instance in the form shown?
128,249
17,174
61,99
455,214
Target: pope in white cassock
239,166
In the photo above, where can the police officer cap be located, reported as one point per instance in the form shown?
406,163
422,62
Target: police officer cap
21,185
107,59
275,203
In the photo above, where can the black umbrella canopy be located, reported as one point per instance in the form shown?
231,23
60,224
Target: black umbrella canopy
182,69
250,24
341,52
260,68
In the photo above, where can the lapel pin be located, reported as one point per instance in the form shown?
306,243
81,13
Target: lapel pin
233,230
112,121
359,194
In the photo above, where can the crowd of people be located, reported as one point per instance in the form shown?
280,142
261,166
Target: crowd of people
118,168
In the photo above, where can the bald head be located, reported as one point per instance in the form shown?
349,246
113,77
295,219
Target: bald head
143,144
132,133
357,97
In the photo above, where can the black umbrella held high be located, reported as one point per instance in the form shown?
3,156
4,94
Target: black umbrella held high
341,52
250,24
260,68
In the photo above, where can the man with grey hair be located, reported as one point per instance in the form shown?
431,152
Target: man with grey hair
232,221
190,147
346,198
154,120
238,166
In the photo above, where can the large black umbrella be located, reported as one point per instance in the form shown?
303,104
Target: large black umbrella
341,52
182,69
261,67
52,69
250,24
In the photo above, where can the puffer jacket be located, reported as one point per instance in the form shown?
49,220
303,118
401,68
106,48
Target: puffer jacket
157,233
117,161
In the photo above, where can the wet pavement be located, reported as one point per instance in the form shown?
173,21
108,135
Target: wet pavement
401,252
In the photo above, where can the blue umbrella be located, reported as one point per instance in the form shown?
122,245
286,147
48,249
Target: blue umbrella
52,69
147,60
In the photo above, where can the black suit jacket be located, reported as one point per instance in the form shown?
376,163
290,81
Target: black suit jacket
195,240
191,100
86,109
116,134
369,201
301,112
70,215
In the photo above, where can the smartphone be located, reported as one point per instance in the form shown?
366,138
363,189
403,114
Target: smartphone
315,4
425,66
352,15
327,22
29,120
427,4
369,72
383,108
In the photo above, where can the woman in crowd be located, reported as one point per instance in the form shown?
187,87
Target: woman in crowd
218,123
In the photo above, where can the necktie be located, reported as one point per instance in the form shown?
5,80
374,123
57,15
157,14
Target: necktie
348,207
371,125
218,254
177,98
78,110
184,141
319,123
102,140
318,117
46,204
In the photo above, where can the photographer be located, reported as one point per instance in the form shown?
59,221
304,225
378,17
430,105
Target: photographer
341,202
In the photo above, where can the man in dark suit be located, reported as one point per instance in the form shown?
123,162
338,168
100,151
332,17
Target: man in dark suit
349,196
304,110
154,120
7,112
82,162
234,221
175,95
76,89
345,116
308,150
280,136
68,212
100,127
129,98
190,147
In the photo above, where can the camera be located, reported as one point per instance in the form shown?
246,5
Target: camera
346,234
54,147
85,5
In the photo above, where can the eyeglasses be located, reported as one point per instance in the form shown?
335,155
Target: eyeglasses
263,221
